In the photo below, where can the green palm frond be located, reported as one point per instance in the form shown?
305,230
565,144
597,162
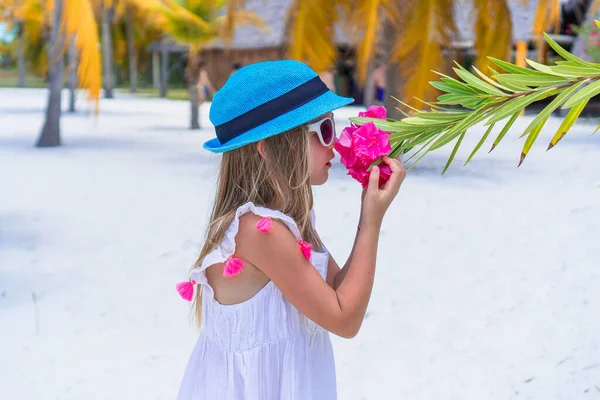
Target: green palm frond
495,101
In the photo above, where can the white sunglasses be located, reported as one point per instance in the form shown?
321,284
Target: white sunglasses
325,130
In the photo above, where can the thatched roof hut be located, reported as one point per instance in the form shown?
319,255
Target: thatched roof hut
251,44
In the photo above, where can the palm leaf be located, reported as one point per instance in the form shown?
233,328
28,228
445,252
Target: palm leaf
567,123
531,139
426,28
554,104
311,33
79,22
454,150
366,19
504,130
480,143
492,100
547,16
584,94
493,31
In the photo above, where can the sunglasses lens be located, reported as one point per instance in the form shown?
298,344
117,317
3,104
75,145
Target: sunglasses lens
327,132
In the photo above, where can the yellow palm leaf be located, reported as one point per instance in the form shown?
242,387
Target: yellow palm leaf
368,20
547,16
311,32
149,12
427,28
186,26
493,32
30,10
239,17
79,22
230,19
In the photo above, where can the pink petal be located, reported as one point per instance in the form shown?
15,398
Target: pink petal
360,175
186,289
264,225
233,266
384,173
374,112
347,157
371,142
345,138
306,248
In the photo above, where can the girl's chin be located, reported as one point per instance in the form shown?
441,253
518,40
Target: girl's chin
320,179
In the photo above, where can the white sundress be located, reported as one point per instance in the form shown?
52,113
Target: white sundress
262,348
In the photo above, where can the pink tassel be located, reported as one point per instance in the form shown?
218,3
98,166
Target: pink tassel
233,267
306,248
264,225
186,289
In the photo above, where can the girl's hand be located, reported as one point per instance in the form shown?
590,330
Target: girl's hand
376,200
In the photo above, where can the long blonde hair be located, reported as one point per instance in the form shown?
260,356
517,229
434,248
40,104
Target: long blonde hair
280,180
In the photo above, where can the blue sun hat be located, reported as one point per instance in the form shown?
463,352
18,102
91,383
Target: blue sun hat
265,99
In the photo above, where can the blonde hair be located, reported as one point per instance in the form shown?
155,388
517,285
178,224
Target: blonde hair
280,180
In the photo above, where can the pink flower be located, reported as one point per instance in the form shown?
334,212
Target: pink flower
360,146
378,112
233,266
345,147
186,290
306,248
264,225
370,142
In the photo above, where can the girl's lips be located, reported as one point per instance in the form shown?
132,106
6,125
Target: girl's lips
328,164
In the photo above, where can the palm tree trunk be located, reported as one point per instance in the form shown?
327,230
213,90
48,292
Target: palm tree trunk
131,51
155,70
50,135
164,68
194,107
20,55
107,52
72,74
191,75
368,94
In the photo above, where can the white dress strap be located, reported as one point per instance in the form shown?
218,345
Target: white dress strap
226,248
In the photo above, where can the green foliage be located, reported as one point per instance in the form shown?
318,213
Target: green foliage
495,101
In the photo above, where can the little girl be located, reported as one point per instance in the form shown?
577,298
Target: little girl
267,292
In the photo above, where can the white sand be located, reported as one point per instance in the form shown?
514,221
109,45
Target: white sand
488,283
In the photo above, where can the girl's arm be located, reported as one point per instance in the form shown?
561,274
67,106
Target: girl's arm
335,275
277,254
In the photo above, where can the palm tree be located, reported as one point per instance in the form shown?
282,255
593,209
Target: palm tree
72,60
20,55
50,135
131,49
421,31
71,20
107,48
139,26
195,24
128,27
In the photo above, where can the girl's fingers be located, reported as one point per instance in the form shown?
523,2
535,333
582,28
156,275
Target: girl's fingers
394,164
397,176
374,179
